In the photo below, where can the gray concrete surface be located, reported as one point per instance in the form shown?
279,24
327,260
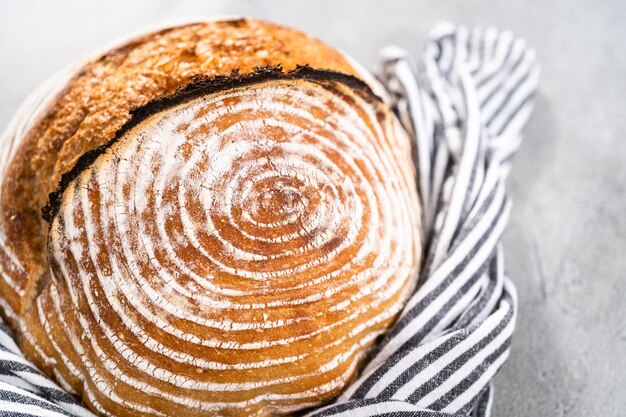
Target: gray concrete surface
566,242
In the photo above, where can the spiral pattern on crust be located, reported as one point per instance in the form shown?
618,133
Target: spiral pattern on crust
236,250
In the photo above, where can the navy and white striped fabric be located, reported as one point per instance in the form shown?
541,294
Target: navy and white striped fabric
466,107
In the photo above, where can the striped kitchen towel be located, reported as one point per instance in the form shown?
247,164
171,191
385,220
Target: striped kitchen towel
465,106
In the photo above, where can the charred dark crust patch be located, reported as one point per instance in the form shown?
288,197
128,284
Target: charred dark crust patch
198,87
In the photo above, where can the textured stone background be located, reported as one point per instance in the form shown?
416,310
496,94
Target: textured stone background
566,243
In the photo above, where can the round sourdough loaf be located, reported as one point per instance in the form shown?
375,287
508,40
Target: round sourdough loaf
230,220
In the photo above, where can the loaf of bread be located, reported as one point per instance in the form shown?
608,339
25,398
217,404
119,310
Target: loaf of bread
215,219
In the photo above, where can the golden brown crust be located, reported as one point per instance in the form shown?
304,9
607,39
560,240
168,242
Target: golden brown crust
173,285
98,100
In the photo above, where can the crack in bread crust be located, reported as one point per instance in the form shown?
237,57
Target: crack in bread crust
202,85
